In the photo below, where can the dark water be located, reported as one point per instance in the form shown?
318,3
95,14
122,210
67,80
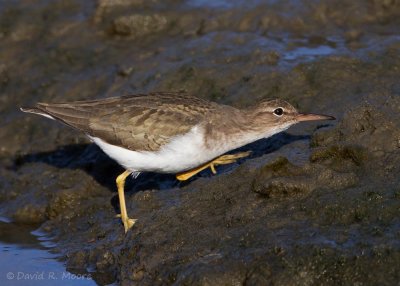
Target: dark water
26,259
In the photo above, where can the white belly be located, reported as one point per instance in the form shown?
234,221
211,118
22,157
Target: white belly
184,152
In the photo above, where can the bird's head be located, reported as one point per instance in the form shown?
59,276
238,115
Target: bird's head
277,115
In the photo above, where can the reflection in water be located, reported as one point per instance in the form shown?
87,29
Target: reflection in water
25,259
309,52
214,4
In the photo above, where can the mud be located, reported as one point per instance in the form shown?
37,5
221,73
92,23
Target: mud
316,205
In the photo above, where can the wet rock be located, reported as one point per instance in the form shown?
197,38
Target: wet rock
140,25
29,213
125,71
367,136
339,155
77,260
269,58
323,212
210,273
275,180
64,202
105,261
297,181
284,187
353,35
105,7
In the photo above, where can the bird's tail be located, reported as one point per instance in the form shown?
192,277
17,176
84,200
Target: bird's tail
36,110
65,113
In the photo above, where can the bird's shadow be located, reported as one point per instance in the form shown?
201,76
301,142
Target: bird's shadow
90,158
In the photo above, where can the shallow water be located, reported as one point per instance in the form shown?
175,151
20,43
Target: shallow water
26,259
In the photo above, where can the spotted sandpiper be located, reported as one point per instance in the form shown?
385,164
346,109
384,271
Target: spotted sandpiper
169,132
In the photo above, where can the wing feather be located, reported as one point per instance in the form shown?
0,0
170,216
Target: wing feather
137,122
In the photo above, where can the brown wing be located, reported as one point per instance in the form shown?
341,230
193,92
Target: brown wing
136,122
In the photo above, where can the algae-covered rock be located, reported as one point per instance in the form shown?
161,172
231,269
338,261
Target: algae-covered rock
316,205
140,25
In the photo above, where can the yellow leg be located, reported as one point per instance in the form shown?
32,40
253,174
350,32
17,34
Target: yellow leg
128,222
222,160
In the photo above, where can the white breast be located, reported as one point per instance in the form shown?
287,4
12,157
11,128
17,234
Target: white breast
184,152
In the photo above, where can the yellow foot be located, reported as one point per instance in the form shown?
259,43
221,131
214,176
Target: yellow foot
128,222
222,160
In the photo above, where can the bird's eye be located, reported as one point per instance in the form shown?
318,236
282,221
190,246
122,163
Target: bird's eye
278,111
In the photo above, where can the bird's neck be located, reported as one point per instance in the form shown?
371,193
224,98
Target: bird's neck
241,129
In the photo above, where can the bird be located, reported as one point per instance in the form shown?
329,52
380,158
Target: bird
171,132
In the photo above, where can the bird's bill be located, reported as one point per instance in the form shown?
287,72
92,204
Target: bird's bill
312,117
